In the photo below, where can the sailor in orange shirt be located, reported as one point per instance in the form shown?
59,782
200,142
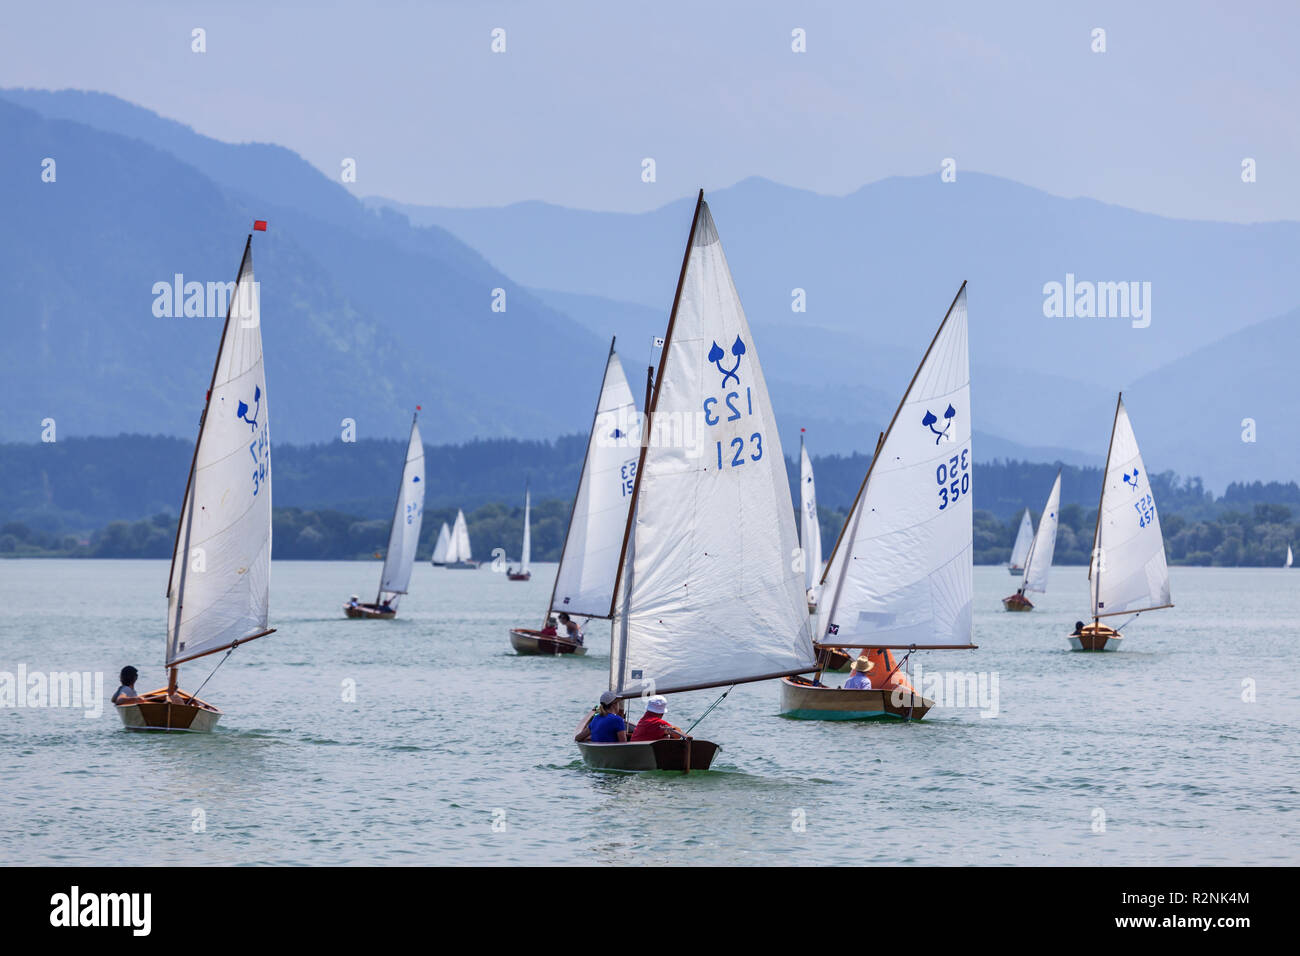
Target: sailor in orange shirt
652,725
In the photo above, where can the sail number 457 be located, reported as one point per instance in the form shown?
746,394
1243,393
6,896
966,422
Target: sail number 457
953,478
1146,509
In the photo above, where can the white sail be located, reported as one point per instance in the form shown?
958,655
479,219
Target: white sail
716,593
443,546
218,592
810,533
459,549
584,583
408,515
1288,556
1128,569
905,577
1039,560
527,555
1024,537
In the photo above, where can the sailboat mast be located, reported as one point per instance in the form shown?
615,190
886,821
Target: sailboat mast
653,400
582,472
1097,558
397,503
194,459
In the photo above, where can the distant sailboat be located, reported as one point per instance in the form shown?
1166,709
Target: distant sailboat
1020,550
219,587
1128,572
584,582
902,568
810,532
443,547
403,535
1288,557
1039,559
459,554
708,595
525,572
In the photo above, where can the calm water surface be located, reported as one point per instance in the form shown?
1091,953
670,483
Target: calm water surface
457,751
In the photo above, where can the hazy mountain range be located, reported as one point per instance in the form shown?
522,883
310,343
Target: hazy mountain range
368,311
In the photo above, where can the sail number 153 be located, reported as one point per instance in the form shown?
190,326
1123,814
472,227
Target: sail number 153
953,478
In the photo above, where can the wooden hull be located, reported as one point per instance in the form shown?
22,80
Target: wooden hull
667,754
154,712
368,611
526,641
1017,603
833,659
803,701
1096,637
526,576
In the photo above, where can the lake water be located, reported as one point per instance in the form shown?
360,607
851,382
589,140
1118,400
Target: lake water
457,751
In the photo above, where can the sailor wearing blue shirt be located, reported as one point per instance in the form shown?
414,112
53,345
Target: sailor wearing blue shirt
606,724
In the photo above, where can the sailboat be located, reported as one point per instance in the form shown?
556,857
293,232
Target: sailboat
1020,550
1038,561
441,548
403,535
1288,557
525,573
1128,572
810,532
707,594
584,582
218,588
458,550
903,564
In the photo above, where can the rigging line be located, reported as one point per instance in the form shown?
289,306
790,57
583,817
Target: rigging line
710,710
214,670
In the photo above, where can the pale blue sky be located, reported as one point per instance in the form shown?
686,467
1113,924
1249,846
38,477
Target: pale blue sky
711,90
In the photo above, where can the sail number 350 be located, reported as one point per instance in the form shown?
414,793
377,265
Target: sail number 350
953,478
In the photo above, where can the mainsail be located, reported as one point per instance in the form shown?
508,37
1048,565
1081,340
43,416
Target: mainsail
1288,557
584,583
1128,569
1024,537
218,590
810,534
441,549
714,595
459,550
527,555
1039,560
903,566
408,514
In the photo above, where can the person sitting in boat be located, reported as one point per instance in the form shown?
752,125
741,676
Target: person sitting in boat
354,601
652,725
858,680
385,608
571,629
125,694
606,724
549,630
1078,629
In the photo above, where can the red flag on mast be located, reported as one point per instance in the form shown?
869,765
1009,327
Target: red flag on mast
260,225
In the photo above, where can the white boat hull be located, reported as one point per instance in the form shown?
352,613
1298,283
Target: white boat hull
154,712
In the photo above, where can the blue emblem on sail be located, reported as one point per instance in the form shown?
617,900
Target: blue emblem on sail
930,420
414,479
716,355
1131,480
242,411
617,433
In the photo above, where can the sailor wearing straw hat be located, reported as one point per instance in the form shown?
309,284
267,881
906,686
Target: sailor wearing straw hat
859,680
